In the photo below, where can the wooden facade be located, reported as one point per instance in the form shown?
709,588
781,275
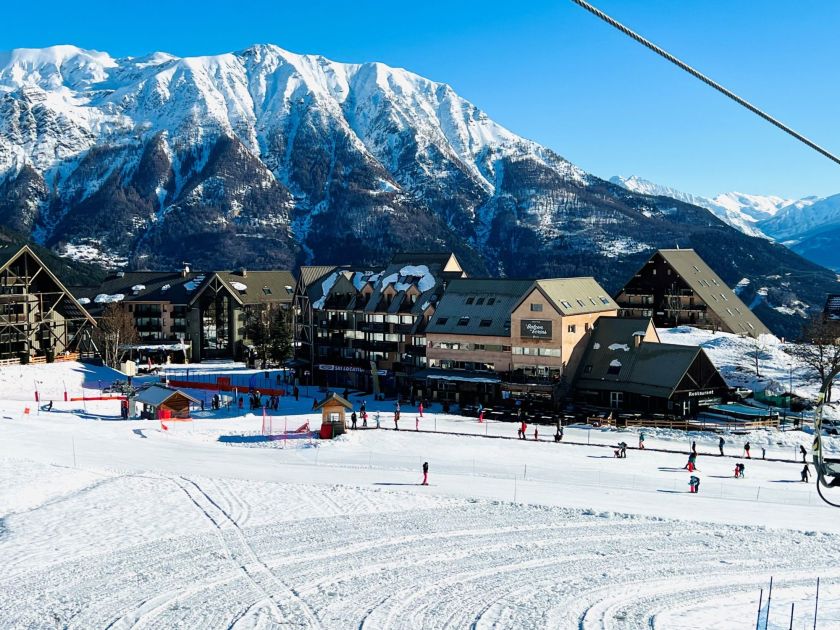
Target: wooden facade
38,315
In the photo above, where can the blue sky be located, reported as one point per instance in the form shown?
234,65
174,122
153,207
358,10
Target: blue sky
547,70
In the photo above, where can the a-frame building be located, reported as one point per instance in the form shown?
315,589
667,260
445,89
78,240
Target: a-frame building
39,317
676,287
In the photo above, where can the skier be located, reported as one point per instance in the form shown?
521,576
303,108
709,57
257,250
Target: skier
694,484
420,408
376,417
805,473
425,474
353,420
536,433
416,423
741,470
396,421
694,447
522,429
622,450
763,453
737,470
558,436
480,416
691,465
721,442
802,452
364,418
747,450
641,441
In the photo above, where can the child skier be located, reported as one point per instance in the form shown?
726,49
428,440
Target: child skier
694,484
425,474
641,441
805,473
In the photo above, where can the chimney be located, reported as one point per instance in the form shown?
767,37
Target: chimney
243,272
637,340
185,270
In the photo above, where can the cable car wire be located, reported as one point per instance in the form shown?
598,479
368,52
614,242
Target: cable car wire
699,75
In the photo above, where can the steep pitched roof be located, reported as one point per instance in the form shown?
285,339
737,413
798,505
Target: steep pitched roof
310,274
478,306
156,395
613,359
69,307
261,287
575,296
713,291
333,397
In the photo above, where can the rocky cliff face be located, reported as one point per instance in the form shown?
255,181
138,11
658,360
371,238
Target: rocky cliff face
267,158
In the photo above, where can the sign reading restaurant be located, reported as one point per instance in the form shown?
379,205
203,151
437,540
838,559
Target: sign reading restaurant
535,328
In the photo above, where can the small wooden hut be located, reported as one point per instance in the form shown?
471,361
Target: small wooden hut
163,402
333,409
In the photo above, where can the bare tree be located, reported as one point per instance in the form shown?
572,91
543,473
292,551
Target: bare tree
114,332
820,349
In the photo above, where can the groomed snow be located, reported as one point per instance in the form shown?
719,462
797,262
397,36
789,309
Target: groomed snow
108,523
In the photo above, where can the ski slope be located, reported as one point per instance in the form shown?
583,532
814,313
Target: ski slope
120,524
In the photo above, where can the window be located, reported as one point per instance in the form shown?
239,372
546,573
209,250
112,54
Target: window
470,300
587,369
614,369
485,323
289,289
604,300
594,303
441,321
516,350
725,299
266,291
695,268
479,301
464,320
536,308
571,328
566,304
491,301
729,310
581,302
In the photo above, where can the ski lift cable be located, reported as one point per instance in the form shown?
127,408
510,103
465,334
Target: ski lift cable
702,77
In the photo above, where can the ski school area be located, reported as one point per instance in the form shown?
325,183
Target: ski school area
246,518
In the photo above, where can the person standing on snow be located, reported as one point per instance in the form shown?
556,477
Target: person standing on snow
802,452
416,423
742,470
376,417
747,450
420,408
641,441
425,474
536,433
721,442
805,473
737,470
622,450
694,484
353,420
694,446
522,429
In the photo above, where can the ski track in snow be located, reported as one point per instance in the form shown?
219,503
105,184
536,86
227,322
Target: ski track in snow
354,557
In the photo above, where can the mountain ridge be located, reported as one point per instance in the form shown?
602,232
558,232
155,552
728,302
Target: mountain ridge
264,157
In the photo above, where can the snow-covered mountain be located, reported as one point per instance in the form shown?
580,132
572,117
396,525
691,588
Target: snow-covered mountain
809,226
741,211
265,157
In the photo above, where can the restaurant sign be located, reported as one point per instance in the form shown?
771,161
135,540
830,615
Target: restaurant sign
535,328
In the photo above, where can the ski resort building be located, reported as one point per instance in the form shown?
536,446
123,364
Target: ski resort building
468,345
676,287
625,367
199,315
39,317
366,329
